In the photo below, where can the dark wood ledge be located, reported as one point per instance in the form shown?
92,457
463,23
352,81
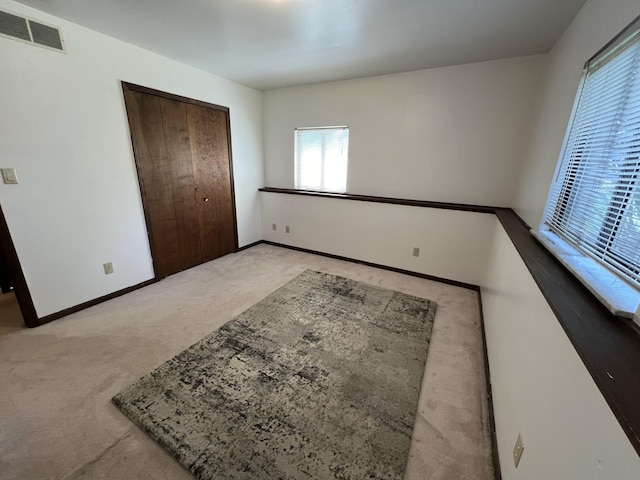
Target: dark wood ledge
389,200
609,346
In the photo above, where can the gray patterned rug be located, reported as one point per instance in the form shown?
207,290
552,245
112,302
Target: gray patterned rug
319,380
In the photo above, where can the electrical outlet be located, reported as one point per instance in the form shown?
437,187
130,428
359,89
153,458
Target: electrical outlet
286,229
108,268
518,450
273,225
9,176
416,252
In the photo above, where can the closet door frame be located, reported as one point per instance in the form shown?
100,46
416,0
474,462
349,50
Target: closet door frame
131,87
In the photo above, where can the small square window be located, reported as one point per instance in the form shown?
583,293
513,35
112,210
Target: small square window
321,157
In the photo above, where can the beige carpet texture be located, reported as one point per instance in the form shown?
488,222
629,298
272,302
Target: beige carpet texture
57,380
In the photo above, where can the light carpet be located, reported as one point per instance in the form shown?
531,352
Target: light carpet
318,380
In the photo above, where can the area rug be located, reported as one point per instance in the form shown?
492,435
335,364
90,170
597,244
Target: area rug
319,380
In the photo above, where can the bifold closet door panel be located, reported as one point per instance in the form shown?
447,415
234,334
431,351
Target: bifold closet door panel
155,176
211,171
183,190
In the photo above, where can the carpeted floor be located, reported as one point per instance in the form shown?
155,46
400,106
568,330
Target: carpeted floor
57,420
318,380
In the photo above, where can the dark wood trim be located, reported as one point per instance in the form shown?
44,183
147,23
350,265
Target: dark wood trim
172,96
126,88
20,287
492,422
249,245
91,303
455,283
393,201
231,179
487,374
609,346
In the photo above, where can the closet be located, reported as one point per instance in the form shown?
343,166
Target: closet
182,150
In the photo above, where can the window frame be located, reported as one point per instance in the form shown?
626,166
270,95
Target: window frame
323,177
595,266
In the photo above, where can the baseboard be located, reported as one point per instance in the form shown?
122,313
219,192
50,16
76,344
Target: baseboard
455,283
90,303
487,374
476,288
249,245
68,311
96,301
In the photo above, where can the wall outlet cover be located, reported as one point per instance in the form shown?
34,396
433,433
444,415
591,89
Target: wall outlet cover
108,268
518,450
286,229
416,252
9,176
273,225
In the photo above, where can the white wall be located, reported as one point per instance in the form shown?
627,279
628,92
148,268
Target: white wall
63,127
540,386
452,134
452,244
597,23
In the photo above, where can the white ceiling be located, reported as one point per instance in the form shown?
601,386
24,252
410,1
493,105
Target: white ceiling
269,44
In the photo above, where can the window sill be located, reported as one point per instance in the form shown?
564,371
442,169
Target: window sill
387,200
618,296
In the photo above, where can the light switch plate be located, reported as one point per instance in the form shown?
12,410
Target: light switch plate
518,450
9,176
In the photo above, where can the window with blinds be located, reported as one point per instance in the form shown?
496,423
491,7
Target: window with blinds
594,201
321,157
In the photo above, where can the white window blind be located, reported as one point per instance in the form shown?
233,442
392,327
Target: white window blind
321,157
594,202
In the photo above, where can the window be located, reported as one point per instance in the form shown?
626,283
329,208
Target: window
321,156
594,201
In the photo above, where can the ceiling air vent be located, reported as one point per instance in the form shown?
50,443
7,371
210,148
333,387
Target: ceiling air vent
31,31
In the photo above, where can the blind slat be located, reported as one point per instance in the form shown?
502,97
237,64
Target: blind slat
594,202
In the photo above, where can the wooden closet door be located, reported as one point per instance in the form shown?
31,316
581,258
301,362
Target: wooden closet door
156,182
183,191
210,156
183,161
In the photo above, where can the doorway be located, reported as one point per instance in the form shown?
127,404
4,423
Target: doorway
182,150
16,304
6,284
10,315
